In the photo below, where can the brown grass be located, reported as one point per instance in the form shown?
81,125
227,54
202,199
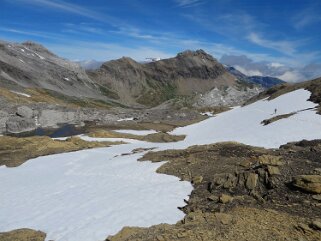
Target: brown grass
15,151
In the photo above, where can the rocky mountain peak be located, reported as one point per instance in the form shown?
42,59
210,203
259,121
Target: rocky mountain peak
124,62
37,47
200,53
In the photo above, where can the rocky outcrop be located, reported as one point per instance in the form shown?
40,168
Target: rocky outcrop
245,193
23,235
230,96
28,118
17,124
308,183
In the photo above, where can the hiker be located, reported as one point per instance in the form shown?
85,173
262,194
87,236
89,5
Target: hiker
275,110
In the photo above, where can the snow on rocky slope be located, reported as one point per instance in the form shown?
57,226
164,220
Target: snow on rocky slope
243,124
90,194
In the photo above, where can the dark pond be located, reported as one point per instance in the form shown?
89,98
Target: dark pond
62,131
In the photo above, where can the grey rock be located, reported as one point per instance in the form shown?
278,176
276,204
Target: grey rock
251,181
25,112
16,124
4,116
230,96
51,118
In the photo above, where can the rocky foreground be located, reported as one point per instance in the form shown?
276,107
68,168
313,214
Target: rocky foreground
243,193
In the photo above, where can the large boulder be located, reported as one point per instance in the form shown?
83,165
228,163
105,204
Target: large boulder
52,118
16,124
308,183
251,181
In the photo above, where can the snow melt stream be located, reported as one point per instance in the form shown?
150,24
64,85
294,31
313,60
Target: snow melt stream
88,195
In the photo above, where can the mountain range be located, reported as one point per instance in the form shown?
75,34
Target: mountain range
195,75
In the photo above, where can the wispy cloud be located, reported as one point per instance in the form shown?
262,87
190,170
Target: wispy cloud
189,3
39,34
285,47
306,17
73,8
82,28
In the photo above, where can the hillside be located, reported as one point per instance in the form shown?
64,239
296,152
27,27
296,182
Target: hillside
30,65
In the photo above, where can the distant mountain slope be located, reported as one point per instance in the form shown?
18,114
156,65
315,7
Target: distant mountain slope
188,74
264,81
30,65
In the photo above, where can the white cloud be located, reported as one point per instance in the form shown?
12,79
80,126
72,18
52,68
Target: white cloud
274,69
285,47
75,9
276,65
40,34
291,76
248,72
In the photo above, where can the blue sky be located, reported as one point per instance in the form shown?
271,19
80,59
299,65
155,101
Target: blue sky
286,31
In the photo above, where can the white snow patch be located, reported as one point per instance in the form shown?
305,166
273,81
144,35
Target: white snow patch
207,113
41,57
67,79
137,132
20,93
22,50
21,61
88,195
126,119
